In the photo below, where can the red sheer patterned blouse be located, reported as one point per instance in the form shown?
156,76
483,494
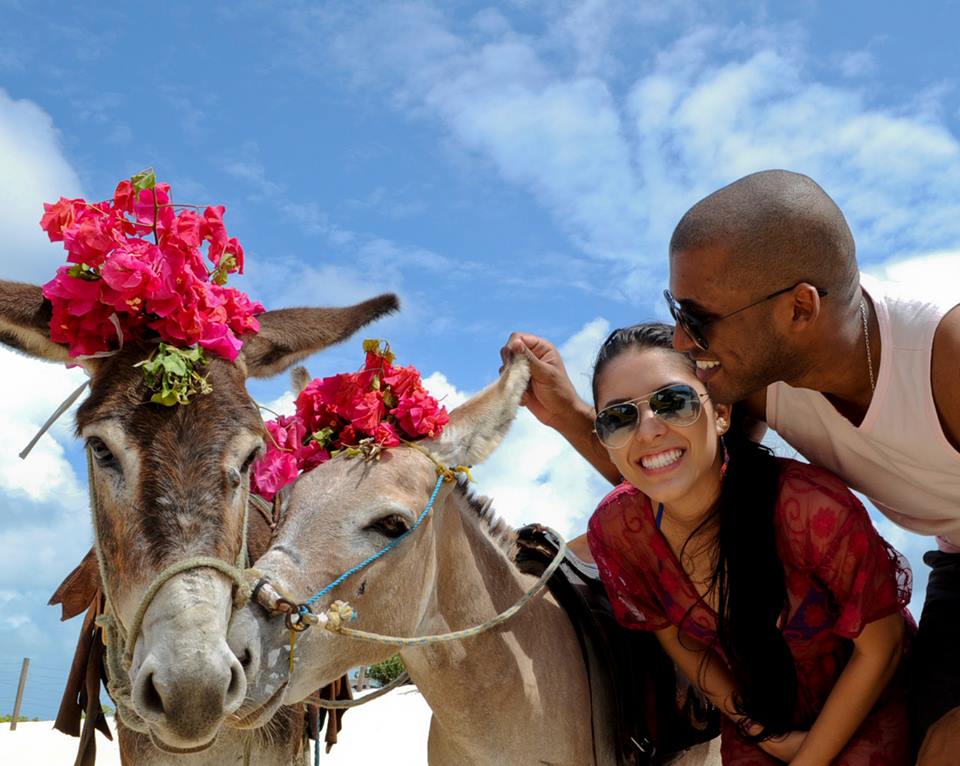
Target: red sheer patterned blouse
840,574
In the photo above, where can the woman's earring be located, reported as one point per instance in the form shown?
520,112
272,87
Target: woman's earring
726,458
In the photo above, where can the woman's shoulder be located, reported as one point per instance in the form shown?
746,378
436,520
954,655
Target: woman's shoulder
809,484
814,509
625,502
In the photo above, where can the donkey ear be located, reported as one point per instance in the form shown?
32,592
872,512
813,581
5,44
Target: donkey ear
299,378
477,426
288,335
25,322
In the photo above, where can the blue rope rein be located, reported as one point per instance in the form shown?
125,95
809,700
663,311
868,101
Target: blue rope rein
305,606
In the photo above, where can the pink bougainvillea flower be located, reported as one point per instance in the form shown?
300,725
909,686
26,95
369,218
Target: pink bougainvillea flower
241,311
220,339
123,196
58,216
89,238
186,229
213,230
153,211
79,296
348,437
402,379
286,432
349,412
386,435
129,271
139,264
272,472
235,249
419,414
365,411
311,455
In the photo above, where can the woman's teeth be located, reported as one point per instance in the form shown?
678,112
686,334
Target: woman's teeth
661,459
703,364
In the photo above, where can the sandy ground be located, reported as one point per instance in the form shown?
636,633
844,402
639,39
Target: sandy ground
391,730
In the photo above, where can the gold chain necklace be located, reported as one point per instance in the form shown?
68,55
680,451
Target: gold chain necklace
866,338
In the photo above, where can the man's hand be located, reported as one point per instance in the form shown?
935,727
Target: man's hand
550,396
941,747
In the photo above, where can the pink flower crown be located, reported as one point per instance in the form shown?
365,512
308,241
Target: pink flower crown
138,268
357,413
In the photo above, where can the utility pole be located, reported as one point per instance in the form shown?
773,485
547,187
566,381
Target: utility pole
23,682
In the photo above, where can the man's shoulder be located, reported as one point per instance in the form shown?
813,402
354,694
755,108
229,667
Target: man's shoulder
943,374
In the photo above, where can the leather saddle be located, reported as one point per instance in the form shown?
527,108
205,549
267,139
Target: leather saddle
81,714
644,713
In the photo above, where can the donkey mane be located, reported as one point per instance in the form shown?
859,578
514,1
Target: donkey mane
481,506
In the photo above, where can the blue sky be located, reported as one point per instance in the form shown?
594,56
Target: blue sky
501,167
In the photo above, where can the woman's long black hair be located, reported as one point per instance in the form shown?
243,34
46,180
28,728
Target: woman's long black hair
748,573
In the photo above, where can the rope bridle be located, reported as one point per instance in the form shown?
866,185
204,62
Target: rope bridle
120,641
299,617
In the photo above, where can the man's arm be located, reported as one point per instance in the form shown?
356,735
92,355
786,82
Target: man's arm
942,740
553,400
945,375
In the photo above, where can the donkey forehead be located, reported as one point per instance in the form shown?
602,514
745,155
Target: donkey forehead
400,476
119,396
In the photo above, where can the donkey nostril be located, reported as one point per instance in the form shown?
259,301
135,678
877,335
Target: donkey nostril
150,698
237,689
245,659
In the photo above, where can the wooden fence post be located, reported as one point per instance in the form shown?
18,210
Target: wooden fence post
362,678
23,682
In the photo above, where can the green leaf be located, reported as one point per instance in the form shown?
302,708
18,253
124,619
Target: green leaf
171,374
145,179
83,271
174,364
321,437
168,398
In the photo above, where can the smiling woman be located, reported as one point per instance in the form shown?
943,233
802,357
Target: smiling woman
763,578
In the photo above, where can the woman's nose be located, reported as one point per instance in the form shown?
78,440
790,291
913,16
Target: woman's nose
650,426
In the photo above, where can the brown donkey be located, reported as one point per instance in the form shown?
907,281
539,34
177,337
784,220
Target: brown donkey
171,483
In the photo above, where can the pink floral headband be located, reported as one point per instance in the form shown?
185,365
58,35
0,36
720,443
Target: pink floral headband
358,413
138,270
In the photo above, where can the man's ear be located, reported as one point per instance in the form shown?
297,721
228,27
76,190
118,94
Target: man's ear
806,306
25,322
288,335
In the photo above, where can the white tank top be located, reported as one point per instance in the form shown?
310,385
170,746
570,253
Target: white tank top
898,456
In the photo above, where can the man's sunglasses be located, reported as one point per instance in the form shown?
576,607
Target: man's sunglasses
678,405
695,326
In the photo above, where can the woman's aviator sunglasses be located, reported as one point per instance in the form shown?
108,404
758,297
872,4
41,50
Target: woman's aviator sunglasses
678,405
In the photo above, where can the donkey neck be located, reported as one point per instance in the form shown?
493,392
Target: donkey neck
521,680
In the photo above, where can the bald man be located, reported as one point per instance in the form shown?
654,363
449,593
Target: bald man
859,376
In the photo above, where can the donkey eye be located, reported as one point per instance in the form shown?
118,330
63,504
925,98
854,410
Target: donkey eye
251,459
391,526
101,453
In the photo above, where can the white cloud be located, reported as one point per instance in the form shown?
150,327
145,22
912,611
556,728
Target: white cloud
444,391
857,64
936,275
29,392
33,170
615,160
